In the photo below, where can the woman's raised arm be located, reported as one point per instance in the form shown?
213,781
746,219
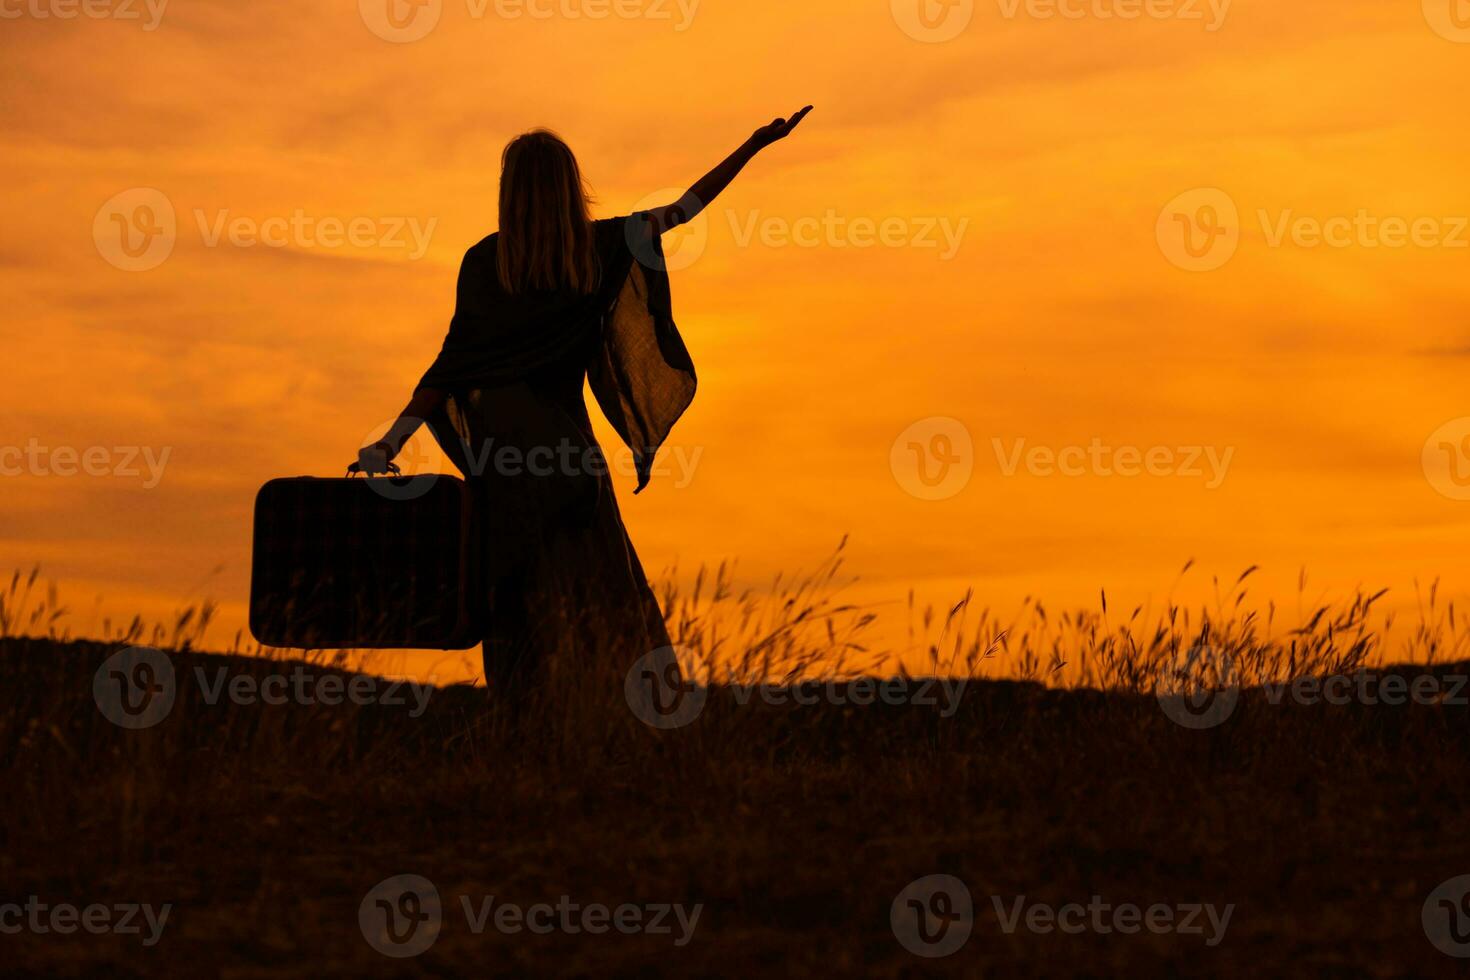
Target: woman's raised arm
707,188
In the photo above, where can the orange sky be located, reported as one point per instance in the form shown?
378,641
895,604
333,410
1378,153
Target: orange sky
1056,315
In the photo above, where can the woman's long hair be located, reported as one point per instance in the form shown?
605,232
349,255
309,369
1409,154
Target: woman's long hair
545,229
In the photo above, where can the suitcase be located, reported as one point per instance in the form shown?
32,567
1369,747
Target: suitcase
378,562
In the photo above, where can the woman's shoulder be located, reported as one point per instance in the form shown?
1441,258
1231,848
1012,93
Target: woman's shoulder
623,232
485,246
618,221
481,254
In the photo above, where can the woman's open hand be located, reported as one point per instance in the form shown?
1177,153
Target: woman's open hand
777,129
704,190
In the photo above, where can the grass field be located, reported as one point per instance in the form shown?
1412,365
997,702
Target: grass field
1320,829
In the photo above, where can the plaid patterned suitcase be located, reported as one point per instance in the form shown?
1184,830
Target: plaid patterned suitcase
376,563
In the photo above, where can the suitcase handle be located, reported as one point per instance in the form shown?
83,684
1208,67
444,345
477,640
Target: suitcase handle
353,469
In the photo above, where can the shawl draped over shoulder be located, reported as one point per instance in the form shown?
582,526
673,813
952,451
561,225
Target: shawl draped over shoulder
641,373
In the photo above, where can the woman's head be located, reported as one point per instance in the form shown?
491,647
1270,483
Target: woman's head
545,229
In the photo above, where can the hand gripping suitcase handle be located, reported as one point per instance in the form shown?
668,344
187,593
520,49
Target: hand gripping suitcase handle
355,468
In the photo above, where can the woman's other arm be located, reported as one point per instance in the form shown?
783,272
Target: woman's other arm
375,458
707,188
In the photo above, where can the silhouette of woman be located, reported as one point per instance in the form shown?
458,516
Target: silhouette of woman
550,299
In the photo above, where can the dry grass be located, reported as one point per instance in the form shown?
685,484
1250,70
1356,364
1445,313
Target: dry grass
795,826
799,627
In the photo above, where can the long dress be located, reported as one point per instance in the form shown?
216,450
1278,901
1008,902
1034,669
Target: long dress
563,582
